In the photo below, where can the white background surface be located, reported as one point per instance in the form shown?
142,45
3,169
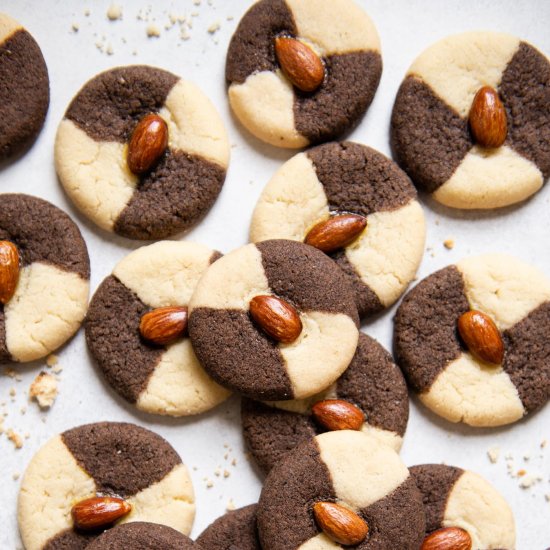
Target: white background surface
406,28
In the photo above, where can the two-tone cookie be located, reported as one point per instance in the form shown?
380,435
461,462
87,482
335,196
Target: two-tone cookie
472,340
490,155
274,320
25,89
154,282
142,152
106,459
374,387
44,278
456,498
332,181
302,71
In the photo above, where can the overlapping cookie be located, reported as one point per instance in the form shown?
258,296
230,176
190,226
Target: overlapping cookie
471,123
472,340
86,479
136,330
302,71
44,278
141,152
340,188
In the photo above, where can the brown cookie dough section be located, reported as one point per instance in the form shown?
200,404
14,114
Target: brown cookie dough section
24,92
70,540
5,356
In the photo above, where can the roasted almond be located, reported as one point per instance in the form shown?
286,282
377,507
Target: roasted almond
9,270
302,66
277,318
481,336
337,414
97,512
147,144
164,324
488,118
448,538
336,232
340,524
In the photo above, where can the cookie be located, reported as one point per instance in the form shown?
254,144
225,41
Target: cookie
338,178
352,469
103,459
51,295
430,133
372,382
91,148
449,379
239,355
458,498
159,379
25,89
263,98
234,530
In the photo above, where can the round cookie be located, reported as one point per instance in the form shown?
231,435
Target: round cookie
107,458
350,468
350,178
235,530
239,355
25,89
429,129
157,379
91,145
458,498
265,101
450,380
372,382
51,296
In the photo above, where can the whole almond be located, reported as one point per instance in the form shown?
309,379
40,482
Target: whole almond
448,538
302,66
336,232
147,144
488,118
481,336
97,512
164,324
277,318
9,270
340,524
337,414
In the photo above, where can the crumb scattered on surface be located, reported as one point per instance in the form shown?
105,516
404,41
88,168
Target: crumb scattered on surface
230,505
529,480
87,13
153,30
521,472
52,360
226,473
15,438
209,484
543,443
114,12
215,27
75,27
230,18
449,244
493,453
44,390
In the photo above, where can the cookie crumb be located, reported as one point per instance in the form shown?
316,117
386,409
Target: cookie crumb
449,244
529,480
87,12
543,443
114,12
521,473
15,438
493,453
226,473
209,484
218,472
215,27
44,390
547,497
230,18
153,31
230,505
75,27
52,360
234,462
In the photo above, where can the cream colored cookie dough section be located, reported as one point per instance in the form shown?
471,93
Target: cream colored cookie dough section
7,27
52,484
194,126
170,502
179,386
334,26
319,542
94,174
490,178
47,308
457,66
386,437
472,392
477,507
264,103
503,287
388,253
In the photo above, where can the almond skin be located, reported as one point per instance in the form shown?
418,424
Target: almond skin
9,270
336,232
164,324
448,538
147,144
340,524
277,318
97,512
301,65
488,118
481,336
337,414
